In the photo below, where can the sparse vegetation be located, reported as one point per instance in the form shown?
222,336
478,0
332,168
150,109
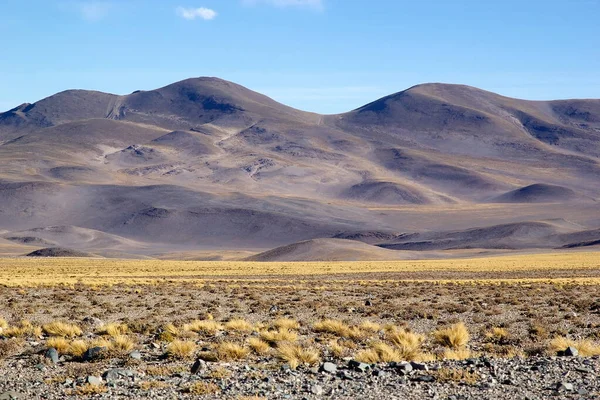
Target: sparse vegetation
62,329
181,349
454,337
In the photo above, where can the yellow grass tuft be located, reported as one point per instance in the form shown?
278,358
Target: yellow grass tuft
408,344
89,390
446,375
122,344
369,326
281,335
368,356
62,329
386,353
336,349
259,346
3,324
228,351
457,354
113,329
208,326
296,355
181,349
286,323
454,336
332,326
202,388
76,348
586,348
59,343
238,325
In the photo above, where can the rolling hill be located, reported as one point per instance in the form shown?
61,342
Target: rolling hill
208,165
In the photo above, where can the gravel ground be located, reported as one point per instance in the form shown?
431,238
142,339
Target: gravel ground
532,378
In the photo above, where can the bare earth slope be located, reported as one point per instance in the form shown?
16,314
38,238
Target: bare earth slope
205,164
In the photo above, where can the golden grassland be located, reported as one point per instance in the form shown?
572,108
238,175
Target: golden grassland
53,271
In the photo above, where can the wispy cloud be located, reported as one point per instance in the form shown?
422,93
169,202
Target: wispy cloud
194,13
92,10
314,4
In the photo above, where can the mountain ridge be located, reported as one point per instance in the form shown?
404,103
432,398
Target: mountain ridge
220,166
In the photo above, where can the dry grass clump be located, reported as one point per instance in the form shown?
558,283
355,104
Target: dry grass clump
386,353
122,344
238,325
3,324
181,349
408,344
62,329
208,326
165,370
202,389
367,356
336,349
88,390
149,385
457,354
113,329
10,347
259,346
446,375
23,328
286,323
169,333
280,335
76,348
497,335
332,326
228,351
455,336
295,355
586,348
340,329
369,326
59,343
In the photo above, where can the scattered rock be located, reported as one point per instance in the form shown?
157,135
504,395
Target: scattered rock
52,355
11,396
358,366
419,366
403,368
118,374
199,366
329,367
564,387
316,390
94,380
571,352
93,353
136,355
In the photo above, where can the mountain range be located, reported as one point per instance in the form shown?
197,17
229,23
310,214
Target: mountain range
207,169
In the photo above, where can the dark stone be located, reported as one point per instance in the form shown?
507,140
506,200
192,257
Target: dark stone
199,366
423,378
358,366
93,353
571,352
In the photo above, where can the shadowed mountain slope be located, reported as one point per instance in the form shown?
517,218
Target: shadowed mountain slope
207,164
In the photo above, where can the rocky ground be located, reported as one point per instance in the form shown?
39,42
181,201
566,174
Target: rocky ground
508,352
532,378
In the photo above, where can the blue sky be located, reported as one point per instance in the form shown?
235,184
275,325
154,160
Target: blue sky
318,55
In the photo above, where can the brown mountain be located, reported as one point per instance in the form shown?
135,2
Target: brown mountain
206,164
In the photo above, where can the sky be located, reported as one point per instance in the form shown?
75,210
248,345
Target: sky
326,56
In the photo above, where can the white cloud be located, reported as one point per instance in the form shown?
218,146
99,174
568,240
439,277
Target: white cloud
315,4
92,10
193,13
